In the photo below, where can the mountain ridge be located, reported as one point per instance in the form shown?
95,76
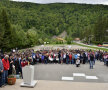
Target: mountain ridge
104,2
53,19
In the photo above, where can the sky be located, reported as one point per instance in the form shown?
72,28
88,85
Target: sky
105,2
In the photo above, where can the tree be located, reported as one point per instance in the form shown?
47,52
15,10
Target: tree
100,30
7,33
32,37
69,40
1,31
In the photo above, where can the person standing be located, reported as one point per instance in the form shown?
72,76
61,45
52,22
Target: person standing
42,58
46,59
1,73
34,58
75,56
64,57
6,66
78,62
17,66
91,60
59,56
11,64
70,58
84,58
107,59
67,58
104,57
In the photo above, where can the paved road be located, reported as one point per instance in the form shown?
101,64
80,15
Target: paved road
58,85
55,72
49,78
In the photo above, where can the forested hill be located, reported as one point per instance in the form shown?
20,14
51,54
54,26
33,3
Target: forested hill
54,18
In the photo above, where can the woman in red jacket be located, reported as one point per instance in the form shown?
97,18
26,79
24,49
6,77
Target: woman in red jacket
6,68
70,58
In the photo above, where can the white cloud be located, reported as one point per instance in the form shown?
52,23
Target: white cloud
68,1
105,3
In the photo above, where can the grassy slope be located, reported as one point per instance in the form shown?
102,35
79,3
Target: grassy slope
99,48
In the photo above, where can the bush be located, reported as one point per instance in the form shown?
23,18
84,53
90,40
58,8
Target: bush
11,76
68,42
98,42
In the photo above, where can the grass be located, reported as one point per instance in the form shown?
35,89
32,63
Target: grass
99,48
89,47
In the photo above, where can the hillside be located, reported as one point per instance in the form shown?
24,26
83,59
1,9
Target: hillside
24,24
52,19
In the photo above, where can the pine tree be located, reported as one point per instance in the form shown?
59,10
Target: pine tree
6,33
100,30
1,32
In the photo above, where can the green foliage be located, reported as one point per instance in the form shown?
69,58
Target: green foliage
97,42
24,24
11,76
52,19
12,36
59,42
40,41
69,40
32,37
6,31
100,30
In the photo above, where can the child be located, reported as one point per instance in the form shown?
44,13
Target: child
77,62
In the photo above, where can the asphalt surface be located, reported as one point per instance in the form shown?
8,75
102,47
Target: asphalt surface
58,85
50,78
55,72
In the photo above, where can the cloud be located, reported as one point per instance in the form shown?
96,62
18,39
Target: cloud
105,2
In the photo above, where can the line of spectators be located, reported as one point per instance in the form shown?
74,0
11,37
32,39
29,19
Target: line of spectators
12,63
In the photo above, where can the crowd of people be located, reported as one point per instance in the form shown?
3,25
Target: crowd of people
13,62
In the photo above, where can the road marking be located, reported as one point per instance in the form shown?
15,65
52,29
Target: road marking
68,78
79,74
91,77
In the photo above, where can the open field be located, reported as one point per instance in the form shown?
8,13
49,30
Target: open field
92,46
65,46
49,47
